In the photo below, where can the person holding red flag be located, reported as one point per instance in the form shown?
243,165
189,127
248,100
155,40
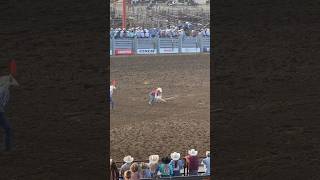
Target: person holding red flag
5,83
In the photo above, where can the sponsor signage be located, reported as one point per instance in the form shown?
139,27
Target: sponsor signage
146,51
206,49
169,50
187,50
123,52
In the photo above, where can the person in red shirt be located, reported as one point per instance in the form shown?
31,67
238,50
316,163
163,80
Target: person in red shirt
193,162
155,95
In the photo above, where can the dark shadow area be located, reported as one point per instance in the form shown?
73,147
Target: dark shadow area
59,113
265,89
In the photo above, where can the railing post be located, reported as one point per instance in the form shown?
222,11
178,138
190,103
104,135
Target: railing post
112,44
200,43
158,44
180,44
135,44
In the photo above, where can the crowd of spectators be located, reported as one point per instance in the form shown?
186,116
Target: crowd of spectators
166,167
171,31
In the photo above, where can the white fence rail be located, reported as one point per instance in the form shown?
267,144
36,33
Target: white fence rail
178,45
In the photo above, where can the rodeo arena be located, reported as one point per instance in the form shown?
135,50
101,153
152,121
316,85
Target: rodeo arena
160,89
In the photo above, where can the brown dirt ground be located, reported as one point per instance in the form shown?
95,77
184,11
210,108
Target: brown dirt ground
58,114
138,129
266,80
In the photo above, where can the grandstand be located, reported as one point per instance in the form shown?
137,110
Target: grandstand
158,14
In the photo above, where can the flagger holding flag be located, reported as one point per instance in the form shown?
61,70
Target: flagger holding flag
5,83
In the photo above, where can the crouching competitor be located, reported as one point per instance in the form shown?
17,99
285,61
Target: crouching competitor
155,96
112,88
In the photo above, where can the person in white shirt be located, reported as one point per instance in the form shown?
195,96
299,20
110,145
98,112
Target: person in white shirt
112,88
206,163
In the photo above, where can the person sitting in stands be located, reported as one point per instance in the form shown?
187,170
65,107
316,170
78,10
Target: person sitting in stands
145,170
206,162
193,162
176,163
164,168
127,175
126,166
135,171
154,165
114,173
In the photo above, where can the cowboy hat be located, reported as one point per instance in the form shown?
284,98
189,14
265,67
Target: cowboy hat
159,89
192,152
153,159
175,156
128,159
207,153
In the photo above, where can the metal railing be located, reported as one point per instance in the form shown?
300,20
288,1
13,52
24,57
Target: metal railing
159,45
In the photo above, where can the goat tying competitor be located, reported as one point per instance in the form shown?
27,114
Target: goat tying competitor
156,96
5,83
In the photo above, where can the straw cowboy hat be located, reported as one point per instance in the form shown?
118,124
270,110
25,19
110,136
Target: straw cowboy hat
154,158
192,152
159,89
128,159
207,153
175,156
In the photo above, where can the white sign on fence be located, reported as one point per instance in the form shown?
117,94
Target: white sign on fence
169,50
146,51
188,50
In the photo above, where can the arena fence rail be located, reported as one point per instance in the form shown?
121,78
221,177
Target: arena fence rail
159,45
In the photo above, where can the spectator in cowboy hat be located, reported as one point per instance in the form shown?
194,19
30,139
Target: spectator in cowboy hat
193,161
206,162
145,170
114,173
135,171
176,163
165,168
154,165
127,175
126,166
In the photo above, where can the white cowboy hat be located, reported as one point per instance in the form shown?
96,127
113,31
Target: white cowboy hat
159,89
175,156
192,152
154,159
207,153
128,159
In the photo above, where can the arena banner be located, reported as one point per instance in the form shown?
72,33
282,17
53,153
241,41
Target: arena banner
146,51
189,50
123,52
169,50
206,49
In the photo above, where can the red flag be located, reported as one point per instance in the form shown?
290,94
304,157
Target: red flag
13,68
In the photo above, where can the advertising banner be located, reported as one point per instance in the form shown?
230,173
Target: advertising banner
123,52
189,50
146,51
169,50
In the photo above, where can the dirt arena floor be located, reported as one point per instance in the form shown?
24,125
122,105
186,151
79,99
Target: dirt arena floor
266,90
138,129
